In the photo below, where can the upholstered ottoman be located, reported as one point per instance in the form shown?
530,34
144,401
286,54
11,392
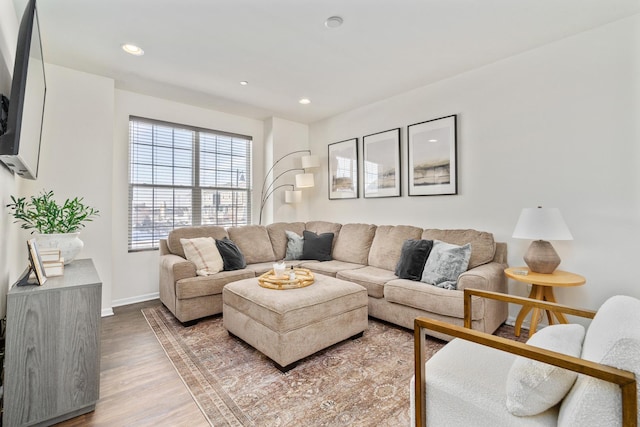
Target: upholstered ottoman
288,325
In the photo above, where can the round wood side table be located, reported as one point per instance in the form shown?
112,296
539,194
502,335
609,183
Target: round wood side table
542,289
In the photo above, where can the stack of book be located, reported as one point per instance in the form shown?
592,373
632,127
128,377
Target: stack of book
52,262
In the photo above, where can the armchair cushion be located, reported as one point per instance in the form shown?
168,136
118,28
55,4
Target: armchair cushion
534,387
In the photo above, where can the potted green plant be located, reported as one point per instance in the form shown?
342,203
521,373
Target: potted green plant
57,225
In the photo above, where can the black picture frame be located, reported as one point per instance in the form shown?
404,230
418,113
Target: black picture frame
433,157
343,170
381,164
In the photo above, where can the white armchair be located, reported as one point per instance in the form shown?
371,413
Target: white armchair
470,380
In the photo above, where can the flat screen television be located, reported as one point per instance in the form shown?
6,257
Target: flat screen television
20,144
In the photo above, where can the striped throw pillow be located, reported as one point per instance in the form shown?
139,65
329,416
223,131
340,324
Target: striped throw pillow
203,252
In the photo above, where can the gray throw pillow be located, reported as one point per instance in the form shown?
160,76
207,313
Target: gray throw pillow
295,244
317,247
412,258
445,263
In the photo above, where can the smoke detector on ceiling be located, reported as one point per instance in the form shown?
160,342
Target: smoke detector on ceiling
333,22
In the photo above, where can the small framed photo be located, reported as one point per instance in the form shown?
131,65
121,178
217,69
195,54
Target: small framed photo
432,157
381,165
343,170
36,262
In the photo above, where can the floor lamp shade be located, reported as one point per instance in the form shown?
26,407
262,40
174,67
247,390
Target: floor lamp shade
541,224
310,161
304,180
292,196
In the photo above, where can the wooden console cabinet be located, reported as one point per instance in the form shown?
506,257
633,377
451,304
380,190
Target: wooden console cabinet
52,361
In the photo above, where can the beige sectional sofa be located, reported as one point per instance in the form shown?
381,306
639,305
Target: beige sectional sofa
362,253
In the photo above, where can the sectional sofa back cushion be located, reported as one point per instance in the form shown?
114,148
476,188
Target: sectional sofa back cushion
254,243
483,247
353,243
387,244
173,240
320,227
278,236
613,338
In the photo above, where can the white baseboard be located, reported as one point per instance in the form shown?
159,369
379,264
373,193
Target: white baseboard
126,301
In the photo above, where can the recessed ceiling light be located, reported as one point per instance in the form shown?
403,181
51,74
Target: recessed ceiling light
333,22
304,101
132,49
433,140
244,83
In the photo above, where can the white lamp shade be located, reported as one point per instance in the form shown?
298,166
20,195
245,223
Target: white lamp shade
541,224
292,196
310,161
304,180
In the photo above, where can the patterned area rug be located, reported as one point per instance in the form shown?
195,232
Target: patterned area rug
361,382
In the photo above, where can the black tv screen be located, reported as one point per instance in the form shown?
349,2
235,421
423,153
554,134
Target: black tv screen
20,144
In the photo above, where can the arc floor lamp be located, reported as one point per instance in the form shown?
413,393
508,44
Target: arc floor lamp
303,180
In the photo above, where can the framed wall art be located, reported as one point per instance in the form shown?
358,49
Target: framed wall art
381,165
343,169
432,157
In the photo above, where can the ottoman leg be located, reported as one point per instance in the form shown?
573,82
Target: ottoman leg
285,369
356,336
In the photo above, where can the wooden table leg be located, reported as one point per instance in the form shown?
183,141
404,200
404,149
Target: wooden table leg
538,292
548,296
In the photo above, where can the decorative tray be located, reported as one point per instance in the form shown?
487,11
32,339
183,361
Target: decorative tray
304,277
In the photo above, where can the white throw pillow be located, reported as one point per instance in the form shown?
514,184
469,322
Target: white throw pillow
203,252
445,263
532,386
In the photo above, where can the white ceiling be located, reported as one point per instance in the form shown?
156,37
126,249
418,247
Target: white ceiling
197,51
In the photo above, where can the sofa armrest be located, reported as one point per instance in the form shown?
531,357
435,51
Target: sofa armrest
489,277
172,269
624,379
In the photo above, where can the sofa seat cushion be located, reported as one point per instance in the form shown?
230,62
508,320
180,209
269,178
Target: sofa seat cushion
353,243
173,240
483,246
286,310
330,268
372,278
260,267
254,243
466,384
200,286
431,298
386,247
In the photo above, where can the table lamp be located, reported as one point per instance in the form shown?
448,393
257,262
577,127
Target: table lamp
540,225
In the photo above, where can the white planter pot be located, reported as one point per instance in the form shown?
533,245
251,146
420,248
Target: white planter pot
69,244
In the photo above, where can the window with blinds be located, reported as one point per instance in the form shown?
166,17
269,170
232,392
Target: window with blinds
181,176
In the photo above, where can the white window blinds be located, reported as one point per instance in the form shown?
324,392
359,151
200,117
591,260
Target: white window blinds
181,176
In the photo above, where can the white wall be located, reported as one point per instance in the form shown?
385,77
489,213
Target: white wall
556,126
76,156
282,138
136,274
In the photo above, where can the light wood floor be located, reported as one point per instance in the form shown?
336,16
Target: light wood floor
138,384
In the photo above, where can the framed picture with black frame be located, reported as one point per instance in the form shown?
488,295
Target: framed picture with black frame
343,170
432,157
381,164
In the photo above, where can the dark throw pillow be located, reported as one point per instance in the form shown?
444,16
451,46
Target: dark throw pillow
317,247
413,258
232,258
